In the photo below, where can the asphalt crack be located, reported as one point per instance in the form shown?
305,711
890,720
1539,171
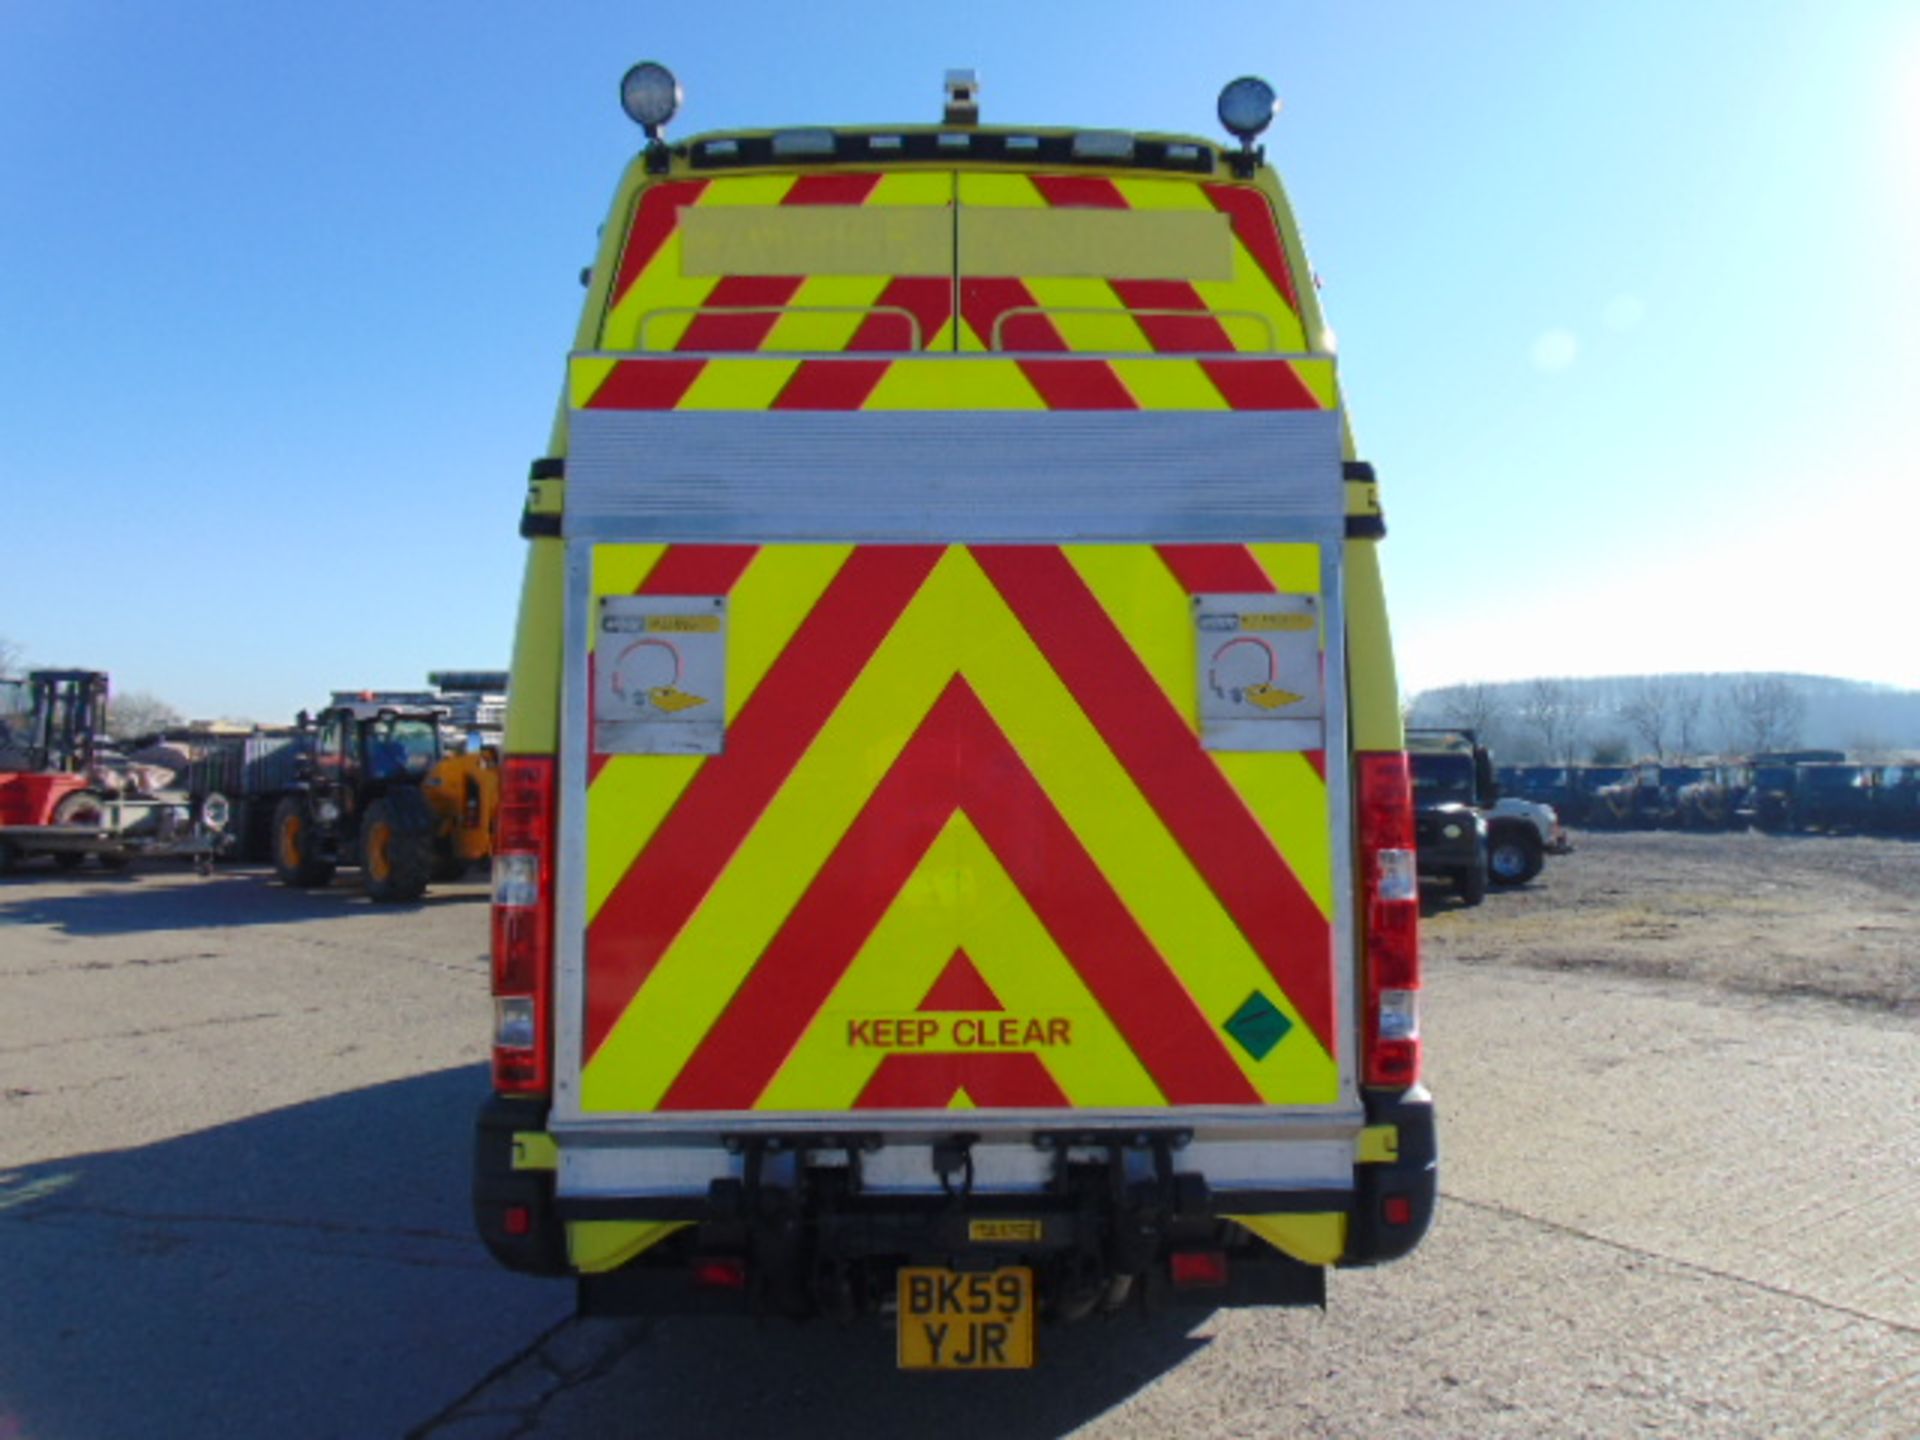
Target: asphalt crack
217,1020
1641,1252
566,1356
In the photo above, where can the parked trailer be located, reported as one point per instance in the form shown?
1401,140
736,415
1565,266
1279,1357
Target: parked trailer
63,795
253,771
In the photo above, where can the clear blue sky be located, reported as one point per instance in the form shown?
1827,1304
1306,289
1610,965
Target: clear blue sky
1626,296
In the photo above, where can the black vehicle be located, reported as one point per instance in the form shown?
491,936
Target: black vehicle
358,801
1462,838
1896,800
1769,802
1584,784
1449,830
1832,797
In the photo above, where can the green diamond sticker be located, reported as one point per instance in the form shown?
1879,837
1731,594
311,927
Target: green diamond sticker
1258,1025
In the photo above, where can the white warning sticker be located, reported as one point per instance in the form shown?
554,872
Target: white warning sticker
659,675
1261,671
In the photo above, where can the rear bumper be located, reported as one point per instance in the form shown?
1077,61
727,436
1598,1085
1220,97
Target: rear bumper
817,1238
1394,1200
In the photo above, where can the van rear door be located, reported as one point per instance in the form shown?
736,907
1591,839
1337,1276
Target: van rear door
941,733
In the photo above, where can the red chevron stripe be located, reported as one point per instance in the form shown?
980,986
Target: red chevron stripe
1260,385
958,759
1202,810
1006,1081
960,987
1215,569
1195,333
646,384
830,384
712,330
928,298
984,299
831,189
1086,192
656,219
1078,385
672,875
1253,222
698,570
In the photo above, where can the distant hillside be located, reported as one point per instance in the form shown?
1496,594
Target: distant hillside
1628,717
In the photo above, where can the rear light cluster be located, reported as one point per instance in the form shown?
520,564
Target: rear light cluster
1391,895
523,927
1197,1269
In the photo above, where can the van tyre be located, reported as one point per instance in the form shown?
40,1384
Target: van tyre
1515,856
295,846
394,862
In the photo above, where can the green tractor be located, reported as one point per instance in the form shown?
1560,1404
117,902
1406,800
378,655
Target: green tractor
359,801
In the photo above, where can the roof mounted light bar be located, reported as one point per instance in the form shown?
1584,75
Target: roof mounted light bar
1087,148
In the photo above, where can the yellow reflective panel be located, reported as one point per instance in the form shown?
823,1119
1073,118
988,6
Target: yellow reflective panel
737,385
870,239
959,624
960,899
633,794
1319,1238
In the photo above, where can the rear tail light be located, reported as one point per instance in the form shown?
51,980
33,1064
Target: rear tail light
1391,901
720,1272
523,927
1197,1269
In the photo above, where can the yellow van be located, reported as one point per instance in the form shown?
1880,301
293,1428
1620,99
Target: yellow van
956,855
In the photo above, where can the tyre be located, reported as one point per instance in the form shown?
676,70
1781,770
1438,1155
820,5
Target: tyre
82,807
1470,882
1515,855
394,863
295,845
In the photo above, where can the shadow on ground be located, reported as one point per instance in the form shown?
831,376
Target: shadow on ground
713,1377
311,1271
139,899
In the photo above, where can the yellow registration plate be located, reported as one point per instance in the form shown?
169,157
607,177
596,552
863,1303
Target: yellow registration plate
960,1320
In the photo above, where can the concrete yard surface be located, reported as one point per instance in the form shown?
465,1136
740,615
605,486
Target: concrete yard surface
1680,1165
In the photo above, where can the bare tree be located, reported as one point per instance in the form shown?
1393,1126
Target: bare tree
1552,710
10,655
1763,712
1478,707
138,713
1649,712
1689,718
